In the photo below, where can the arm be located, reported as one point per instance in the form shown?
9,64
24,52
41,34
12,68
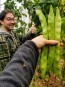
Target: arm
19,72
4,52
30,35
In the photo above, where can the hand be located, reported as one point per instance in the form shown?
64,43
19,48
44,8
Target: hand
33,29
40,41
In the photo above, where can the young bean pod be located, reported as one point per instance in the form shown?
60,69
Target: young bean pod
43,59
51,33
56,64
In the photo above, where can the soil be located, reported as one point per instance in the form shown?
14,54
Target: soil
50,80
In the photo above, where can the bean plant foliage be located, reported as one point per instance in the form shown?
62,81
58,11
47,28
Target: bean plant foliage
44,5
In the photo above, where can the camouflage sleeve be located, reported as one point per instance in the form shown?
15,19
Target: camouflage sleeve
4,52
26,37
21,39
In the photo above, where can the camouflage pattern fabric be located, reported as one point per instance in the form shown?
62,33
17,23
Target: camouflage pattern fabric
8,45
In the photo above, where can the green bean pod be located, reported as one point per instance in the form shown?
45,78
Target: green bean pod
51,33
43,59
56,64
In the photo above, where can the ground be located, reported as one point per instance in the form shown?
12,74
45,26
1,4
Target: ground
50,80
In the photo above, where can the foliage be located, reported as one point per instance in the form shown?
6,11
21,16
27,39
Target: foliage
43,5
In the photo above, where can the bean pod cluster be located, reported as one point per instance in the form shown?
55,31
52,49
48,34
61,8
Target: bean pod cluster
50,56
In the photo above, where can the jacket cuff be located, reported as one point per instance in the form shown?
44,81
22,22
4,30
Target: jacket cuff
32,44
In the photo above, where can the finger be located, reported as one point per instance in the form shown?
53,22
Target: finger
51,42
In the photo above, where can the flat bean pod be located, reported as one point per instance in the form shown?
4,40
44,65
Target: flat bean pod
51,33
43,59
56,65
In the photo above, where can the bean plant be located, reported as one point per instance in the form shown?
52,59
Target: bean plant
50,56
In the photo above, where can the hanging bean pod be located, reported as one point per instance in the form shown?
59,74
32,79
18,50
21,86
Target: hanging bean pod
56,64
43,59
51,33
